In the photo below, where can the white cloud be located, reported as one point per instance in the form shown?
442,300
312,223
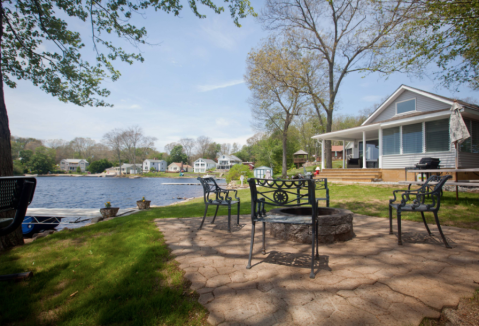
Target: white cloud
214,33
371,98
207,88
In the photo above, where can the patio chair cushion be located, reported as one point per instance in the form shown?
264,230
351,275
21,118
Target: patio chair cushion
409,208
224,202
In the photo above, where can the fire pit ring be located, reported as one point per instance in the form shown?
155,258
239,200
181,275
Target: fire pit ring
334,224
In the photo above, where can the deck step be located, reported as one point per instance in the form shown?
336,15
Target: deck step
351,175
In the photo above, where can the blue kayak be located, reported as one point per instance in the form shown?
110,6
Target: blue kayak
37,224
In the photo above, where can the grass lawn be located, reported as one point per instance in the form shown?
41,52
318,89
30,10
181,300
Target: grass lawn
121,272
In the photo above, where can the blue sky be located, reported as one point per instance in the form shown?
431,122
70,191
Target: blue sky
191,84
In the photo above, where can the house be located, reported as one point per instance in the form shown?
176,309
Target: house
409,125
158,165
225,162
177,167
202,165
250,165
337,152
125,169
71,164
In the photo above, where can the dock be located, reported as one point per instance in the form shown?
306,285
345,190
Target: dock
75,212
187,184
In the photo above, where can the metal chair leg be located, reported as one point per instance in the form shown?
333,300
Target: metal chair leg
204,216
425,223
264,238
312,251
317,240
440,231
390,220
399,227
237,218
251,246
216,212
229,217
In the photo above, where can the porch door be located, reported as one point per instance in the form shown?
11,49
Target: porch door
372,153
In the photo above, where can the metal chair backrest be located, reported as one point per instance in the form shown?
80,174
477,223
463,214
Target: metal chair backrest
279,192
209,186
16,193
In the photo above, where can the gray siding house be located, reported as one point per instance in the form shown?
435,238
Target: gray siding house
409,125
158,165
71,164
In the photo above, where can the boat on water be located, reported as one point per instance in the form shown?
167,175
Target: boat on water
31,175
37,224
135,177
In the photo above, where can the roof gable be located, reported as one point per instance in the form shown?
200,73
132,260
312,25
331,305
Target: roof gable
424,102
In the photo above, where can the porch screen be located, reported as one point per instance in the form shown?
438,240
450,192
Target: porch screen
412,138
437,136
391,141
471,145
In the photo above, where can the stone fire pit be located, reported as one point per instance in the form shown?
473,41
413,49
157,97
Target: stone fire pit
334,225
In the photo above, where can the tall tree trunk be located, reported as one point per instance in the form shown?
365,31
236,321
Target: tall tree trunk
6,162
284,171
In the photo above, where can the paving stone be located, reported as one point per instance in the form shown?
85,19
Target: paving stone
369,280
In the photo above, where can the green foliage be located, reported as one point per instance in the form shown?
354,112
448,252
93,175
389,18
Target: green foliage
99,166
18,168
78,169
177,155
41,163
59,68
26,156
445,33
237,171
152,169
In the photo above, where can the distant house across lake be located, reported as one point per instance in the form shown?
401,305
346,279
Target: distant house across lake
71,164
158,165
202,165
177,167
225,162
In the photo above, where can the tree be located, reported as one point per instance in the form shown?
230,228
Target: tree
225,148
26,156
170,146
237,171
133,138
114,140
274,104
177,155
78,169
213,150
202,143
99,166
235,148
41,163
37,45
345,36
188,145
82,146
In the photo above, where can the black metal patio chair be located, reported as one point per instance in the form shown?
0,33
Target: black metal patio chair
16,193
296,194
220,197
418,204
322,185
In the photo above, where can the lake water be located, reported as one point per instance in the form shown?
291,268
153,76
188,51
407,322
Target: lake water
90,192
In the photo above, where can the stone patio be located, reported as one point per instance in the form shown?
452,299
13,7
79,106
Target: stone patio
369,280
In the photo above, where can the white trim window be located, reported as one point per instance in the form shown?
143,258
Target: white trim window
412,138
437,136
471,145
406,106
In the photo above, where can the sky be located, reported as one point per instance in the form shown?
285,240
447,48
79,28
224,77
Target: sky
191,84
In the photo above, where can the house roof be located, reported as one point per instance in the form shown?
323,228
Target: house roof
300,152
231,157
74,160
126,165
337,148
156,161
410,115
404,88
177,164
206,160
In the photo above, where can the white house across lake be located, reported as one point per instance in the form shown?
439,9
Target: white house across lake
202,165
225,162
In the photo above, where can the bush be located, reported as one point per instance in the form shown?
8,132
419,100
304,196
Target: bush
78,169
99,166
237,171
152,169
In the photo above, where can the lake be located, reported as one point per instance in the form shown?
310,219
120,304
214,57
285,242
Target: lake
91,192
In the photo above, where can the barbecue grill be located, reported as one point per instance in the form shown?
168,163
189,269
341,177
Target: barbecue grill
426,163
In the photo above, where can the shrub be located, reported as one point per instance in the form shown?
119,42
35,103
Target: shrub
152,169
237,171
78,169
